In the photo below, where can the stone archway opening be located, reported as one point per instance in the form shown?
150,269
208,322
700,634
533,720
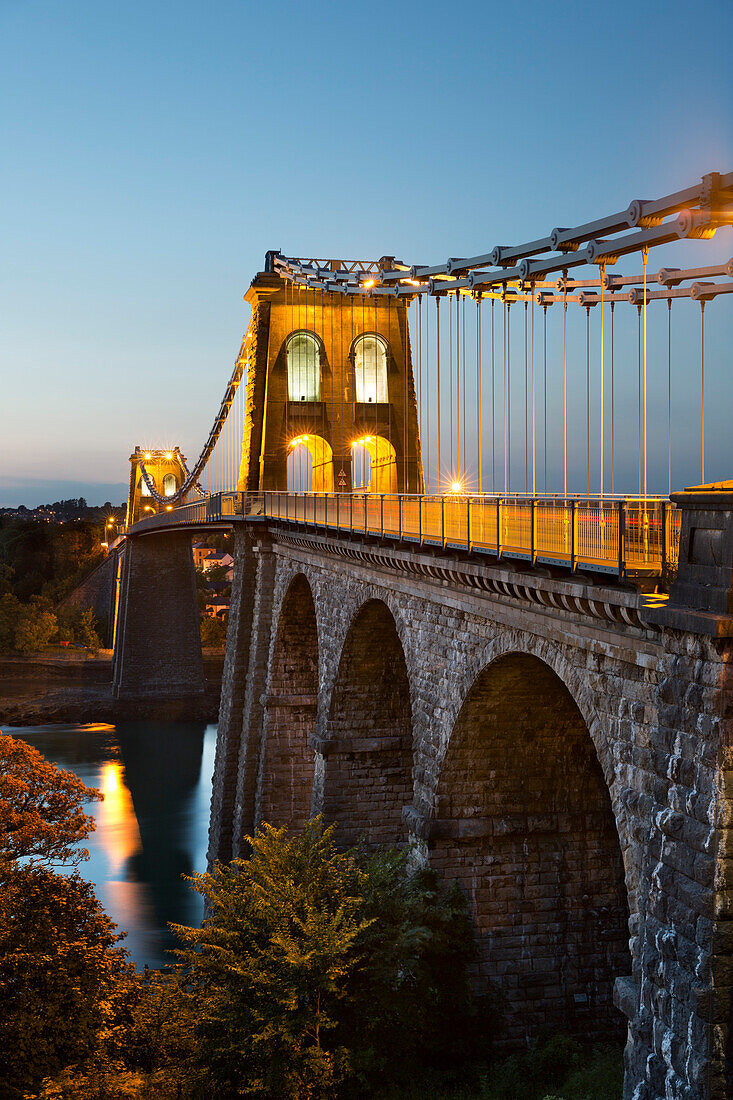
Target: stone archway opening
524,821
368,751
309,465
288,764
373,465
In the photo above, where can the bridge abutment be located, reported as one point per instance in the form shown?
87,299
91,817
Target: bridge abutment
157,638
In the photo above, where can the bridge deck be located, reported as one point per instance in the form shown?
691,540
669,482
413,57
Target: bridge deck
628,537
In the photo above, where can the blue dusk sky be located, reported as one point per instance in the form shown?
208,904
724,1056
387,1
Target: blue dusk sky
152,152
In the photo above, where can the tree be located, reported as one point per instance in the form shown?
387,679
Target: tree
60,968
85,629
35,627
60,974
41,808
322,973
213,631
9,614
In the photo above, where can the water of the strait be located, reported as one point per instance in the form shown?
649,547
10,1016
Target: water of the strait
152,825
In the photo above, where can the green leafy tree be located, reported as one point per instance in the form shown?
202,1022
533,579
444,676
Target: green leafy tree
272,962
35,627
323,973
86,632
213,631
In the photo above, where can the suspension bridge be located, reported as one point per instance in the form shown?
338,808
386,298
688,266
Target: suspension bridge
445,421
474,609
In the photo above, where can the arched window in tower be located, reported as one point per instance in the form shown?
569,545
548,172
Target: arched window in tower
170,485
304,367
144,491
370,366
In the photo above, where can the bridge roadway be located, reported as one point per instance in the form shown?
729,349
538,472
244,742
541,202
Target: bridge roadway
629,537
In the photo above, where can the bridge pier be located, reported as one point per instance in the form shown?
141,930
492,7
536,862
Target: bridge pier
157,638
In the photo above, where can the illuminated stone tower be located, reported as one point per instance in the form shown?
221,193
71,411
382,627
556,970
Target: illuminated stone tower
329,380
165,467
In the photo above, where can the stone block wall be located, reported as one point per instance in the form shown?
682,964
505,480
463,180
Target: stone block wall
158,643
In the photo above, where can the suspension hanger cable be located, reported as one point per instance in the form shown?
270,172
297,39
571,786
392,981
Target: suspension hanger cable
427,394
458,471
479,394
702,386
544,394
602,273
638,340
587,391
437,361
504,311
465,384
613,406
493,402
526,405
509,392
565,384
534,487
450,380
669,396
406,395
645,256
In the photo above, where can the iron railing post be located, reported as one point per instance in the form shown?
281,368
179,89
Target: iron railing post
381,513
573,517
532,536
621,535
498,527
468,524
442,522
419,519
665,517
399,514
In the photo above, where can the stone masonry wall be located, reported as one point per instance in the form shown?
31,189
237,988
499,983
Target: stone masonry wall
524,821
286,783
158,645
368,746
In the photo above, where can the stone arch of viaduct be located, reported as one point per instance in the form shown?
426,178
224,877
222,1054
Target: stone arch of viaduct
558,760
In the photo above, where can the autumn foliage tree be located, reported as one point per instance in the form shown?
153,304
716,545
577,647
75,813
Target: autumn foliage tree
42,815
61,971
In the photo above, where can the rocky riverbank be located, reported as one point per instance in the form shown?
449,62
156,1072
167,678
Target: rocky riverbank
77,688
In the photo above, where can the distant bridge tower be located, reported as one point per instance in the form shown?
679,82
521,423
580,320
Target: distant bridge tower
330,391
166,470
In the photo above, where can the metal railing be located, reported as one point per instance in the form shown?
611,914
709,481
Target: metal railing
627,537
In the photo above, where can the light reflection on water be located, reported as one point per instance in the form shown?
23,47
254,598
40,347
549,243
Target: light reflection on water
152,826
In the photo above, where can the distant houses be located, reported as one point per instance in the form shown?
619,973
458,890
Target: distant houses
218,606
208,558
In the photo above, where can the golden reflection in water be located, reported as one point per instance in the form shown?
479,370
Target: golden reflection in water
117,829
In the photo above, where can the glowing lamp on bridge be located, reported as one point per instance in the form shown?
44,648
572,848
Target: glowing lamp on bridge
169,507
169,456
456,487
147,455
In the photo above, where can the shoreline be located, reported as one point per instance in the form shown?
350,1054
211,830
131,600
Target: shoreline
77,688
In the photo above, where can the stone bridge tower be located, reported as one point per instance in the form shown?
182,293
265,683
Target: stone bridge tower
165,467
328,373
